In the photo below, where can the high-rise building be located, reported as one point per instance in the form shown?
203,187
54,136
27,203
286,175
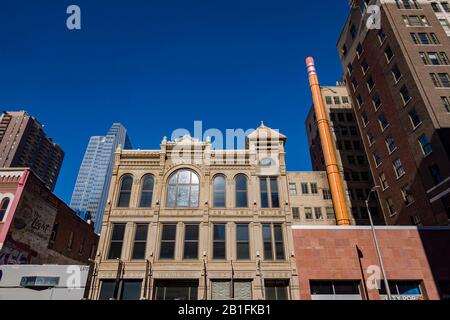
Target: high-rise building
398,75
23,143
90,191
349,150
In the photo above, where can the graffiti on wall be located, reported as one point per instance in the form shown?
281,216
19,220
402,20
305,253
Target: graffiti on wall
16,253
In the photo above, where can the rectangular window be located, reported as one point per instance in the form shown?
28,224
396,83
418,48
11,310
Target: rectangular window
365,118
168,239
295,213
219,242
337,100
269,192
398,289
308,213
383,181
370,138
383,122
408,197
396,73
326,194
70,242
436,174
129,289
140,242
305,189
276,289
404,94
440,80
115,247
335,290
446,103
381,36
318,213
328,100
376,100
370,84
242,242
415,119
273,242
292,189
390,144
191,233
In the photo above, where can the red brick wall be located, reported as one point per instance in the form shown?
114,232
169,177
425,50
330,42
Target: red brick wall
408,254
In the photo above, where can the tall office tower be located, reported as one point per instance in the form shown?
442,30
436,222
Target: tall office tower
398,75
23,143
350,155
92,185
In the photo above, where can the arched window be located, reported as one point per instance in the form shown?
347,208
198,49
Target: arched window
3,208
241,191
146,191
183,189
125,192
219,190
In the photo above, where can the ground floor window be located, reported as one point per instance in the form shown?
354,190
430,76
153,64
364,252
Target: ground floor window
127,289
335,290
176,290
231,290
277,289
403,290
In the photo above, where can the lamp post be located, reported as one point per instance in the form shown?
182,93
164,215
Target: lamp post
375,240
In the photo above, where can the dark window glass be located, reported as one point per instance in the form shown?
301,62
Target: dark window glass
279,243
176,290
125,192
219,242
115,247
168,241
242,239
274,192
140,242
107,289
267,241
191,242
241,191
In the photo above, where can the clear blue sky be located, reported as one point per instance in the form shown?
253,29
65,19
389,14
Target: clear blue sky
159,65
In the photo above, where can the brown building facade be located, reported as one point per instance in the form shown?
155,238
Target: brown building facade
38,228
341,263
399,79
24,144
349,149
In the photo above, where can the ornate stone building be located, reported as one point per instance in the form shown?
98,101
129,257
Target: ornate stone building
191,222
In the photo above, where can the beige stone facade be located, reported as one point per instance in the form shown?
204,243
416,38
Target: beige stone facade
245,264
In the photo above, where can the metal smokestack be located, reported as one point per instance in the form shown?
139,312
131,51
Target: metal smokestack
334,177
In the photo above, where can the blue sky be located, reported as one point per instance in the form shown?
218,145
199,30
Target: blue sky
156,66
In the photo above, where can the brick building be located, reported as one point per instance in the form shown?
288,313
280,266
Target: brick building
399,80
38,228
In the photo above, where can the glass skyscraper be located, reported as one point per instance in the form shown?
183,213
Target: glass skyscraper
91,188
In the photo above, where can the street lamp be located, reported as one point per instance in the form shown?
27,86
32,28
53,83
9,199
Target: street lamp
380,259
